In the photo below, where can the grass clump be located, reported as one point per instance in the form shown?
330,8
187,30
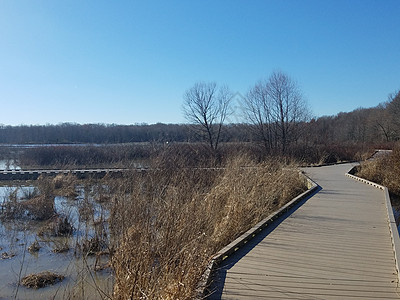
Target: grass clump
64,185
35,204
40,208
57,226
40,280
34,247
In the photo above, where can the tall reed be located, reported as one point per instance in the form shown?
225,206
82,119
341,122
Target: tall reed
167,223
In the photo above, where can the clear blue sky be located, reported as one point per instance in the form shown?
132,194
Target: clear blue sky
129,62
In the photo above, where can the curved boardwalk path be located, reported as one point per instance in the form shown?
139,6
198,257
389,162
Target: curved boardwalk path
337,245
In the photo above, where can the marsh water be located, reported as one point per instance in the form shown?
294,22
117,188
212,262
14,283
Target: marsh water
56,254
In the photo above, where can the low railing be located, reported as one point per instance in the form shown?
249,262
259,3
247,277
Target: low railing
391,220
227,251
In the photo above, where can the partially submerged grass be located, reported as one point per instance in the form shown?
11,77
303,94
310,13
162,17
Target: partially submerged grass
35,204
42,279
34,247
64,185
57,226
40,207
48,222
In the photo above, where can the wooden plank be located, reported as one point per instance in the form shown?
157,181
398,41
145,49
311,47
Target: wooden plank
337,245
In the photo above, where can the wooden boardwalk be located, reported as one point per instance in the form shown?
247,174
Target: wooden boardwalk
80,173
337,245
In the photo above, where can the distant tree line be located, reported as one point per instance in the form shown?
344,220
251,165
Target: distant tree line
364,125
275,119
377,124
70,133
91,133
380,124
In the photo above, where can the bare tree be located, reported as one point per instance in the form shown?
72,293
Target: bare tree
207,105
381,125
277,107
288,106
258,112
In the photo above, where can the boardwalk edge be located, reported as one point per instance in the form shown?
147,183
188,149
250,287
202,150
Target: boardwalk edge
242,240
391,220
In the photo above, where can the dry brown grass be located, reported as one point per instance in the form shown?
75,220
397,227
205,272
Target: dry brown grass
384,170
56,226
164,224
40,280
40,207
37,204
167,223
64,185
244,196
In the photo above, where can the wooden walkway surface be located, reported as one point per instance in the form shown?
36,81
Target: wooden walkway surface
337,245
80,173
